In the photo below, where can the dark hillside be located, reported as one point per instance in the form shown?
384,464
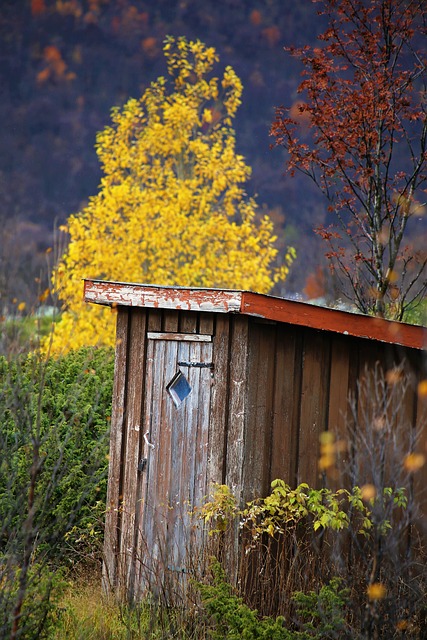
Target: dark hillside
65,63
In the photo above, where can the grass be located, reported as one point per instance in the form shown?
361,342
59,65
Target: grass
85,613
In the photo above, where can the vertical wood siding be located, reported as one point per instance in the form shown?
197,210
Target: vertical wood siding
275,387
112,516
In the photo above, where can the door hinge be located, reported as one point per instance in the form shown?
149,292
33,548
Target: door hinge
201,365
177,569
142,464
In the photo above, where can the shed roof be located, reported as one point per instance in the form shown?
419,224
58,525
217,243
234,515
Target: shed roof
254,304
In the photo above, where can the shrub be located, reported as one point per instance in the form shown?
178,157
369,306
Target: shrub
319,614
54,418
370,536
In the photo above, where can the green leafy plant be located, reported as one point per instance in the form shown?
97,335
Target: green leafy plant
323,614
54,418
284,506
298,540
230,617
319,614
220,510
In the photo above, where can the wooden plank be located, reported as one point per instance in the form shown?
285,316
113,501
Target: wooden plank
338,410
142,546
338,391
112,519
131,450
151,542
286,408
187,455
261,356
180,473
200,493
401,382
155,415
206,323
161,297
180,419
314,395
237,406
170,437
170,320
180,337
204,407
368,409
154,320
219,402
236,432
188,322
164,367
345,460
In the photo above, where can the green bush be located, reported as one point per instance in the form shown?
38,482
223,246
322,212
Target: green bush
323,614
231,618
319,615
54,416
54,423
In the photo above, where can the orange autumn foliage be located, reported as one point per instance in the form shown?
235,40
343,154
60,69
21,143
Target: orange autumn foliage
37,7
298,113
150,47
255,17
56,67
272,35
315,284
364,145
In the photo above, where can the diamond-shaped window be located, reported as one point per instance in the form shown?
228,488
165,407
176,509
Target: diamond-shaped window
178,388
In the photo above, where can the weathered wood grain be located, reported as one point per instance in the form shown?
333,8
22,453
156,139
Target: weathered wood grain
170,320
338,405
184,337
286,407
255,304
255,413
237,409
314,406
206,323
261,369
114,490
131,449
188,322
219,403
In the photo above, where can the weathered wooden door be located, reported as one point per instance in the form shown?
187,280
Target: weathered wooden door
176,420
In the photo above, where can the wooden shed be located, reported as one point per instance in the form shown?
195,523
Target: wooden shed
230,387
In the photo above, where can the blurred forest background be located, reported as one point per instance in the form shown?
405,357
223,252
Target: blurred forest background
65,63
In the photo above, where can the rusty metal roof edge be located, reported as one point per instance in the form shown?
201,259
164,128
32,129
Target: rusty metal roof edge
258,305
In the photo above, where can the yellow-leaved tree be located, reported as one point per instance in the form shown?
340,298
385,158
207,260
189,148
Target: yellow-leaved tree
171,207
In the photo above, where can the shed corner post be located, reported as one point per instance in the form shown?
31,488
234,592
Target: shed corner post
114,490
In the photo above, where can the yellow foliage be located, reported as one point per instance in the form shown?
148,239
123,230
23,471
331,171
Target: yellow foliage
414,462
171,208
376,591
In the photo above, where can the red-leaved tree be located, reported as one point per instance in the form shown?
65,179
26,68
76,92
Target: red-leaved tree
359,132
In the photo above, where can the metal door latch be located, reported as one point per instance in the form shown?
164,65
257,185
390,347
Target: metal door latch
147,442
